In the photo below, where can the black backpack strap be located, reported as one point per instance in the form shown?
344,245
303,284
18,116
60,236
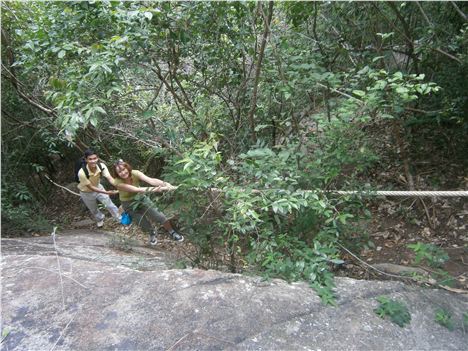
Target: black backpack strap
85,170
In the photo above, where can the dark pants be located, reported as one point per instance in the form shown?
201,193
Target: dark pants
145,214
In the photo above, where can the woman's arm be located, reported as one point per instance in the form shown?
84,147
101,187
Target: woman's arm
156,182
130,188
135,189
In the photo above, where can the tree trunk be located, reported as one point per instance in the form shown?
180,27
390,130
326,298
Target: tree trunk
258,68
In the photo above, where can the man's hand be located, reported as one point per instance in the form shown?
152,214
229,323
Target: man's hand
112,192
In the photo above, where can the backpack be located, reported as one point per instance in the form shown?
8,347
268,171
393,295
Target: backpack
126,219
81,163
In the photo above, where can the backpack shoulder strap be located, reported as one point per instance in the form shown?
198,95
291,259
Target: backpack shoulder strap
100,166
85,170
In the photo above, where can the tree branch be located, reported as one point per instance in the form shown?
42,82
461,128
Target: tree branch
407,34
460,12
447,54
258,69
15,82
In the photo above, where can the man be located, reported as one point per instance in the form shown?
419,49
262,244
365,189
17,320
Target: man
91,190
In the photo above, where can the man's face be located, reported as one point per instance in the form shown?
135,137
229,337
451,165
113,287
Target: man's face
92,160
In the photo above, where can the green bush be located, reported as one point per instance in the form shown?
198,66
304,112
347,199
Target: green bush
429,253
258,214
444,318
20,218
395,310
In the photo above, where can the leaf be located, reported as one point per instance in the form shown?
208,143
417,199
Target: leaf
398,75
261,126
61,54
107,68
5,332
359,93
148,15
100,110
94,121
401,90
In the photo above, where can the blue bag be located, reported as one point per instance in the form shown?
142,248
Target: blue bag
126,219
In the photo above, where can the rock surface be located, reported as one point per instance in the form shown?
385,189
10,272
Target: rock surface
91,297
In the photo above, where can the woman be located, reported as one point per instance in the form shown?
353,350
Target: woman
142,211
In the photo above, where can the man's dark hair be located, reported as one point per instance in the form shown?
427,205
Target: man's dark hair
89,152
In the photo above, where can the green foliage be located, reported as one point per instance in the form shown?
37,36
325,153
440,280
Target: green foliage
393,309
5,332
433,255
289,258
443,278
444,318
343,150
260,211
24,217
390,93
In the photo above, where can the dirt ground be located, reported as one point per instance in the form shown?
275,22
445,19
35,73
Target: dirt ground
397,224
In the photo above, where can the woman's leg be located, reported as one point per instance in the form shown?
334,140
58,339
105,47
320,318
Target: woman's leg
148,213
138,216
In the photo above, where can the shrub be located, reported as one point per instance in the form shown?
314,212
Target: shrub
395,310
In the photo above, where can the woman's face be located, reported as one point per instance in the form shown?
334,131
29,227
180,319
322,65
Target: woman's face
122,171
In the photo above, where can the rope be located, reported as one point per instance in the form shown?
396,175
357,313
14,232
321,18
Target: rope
456,193
396,193
60,186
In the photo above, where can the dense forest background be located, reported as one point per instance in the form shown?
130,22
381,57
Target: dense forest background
262,100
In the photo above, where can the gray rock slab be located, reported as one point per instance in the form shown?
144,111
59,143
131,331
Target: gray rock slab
90,246
72,302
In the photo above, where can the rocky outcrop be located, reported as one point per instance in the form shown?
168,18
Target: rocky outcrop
90,297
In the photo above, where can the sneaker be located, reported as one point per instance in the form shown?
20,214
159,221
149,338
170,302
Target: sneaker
177,237
100,223
153,239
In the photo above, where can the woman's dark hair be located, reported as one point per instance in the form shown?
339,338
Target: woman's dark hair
89,152
123,164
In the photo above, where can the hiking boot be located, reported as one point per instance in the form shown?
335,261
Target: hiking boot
153,239
176,236
100,223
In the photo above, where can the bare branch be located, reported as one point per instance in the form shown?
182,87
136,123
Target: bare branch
253,104
15,82
460,12
448,55
424,14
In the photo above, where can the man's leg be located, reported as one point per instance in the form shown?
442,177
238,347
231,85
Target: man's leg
89,199
106,201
